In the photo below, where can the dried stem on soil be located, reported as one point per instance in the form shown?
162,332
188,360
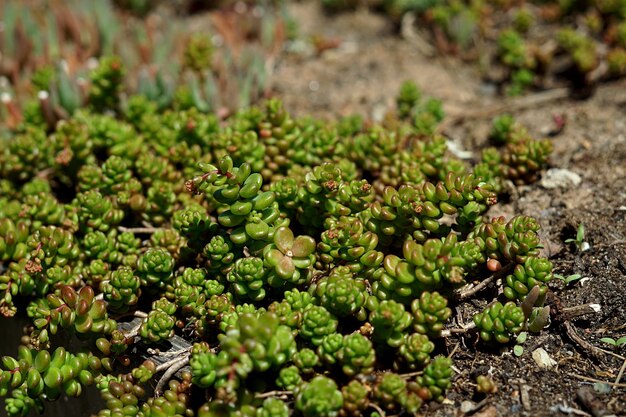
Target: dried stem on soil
588,347
484,283
621,372
459,330
174,367
378,409
136,313
457,116
170,363
274,394
409,32
145,230
580,310
586,378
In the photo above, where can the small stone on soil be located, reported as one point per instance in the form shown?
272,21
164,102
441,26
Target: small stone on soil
560,178
467,406
543,359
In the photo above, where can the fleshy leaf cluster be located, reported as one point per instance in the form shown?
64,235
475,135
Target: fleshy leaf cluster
260,264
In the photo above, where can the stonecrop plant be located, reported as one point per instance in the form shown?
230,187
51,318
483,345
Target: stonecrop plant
260,265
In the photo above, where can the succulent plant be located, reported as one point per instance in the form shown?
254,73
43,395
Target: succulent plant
289,378
515,240
319,398
436,378
355,398
485,384
106,84
426,266
317,322
247,278
416,349
357,355
36,373
342,294
291,258
157,326
203,363
390,391
499,322
408,97
71,310
297,266
306,360
273,407
122,290
430,313
390,321
346,242
535,271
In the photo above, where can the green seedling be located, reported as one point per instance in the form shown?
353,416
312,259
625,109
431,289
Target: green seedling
518,349
579,241
613,342
569,279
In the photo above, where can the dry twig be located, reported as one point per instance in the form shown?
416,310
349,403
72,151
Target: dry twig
484,283
174,367
459,330
145,230
379,410
580,310
589,379
273,394
532,100
588,347
621,372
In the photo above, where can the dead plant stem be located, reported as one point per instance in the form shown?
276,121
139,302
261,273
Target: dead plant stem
589,379
484,283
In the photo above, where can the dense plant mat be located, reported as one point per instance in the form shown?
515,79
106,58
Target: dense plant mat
310,267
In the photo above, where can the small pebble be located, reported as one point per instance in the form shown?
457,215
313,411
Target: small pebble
560,178
467,406
543,359
458,151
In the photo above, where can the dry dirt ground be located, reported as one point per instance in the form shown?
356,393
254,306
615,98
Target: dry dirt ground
362,75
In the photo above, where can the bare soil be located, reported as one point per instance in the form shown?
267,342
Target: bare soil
362,75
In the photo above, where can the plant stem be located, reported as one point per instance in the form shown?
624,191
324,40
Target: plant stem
484,283
273,394
580,310
145,230
157,352
621,372
174,367
593,350
586,378
458,330
170,363
460,115
133,331
411,374
378,409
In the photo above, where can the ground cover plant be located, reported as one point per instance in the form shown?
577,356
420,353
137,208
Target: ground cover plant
262,263
311,267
